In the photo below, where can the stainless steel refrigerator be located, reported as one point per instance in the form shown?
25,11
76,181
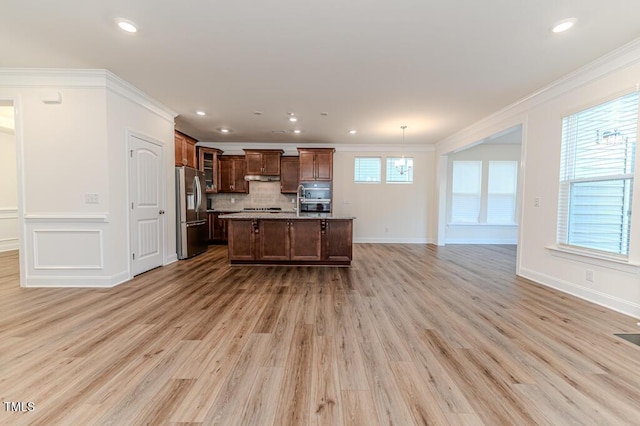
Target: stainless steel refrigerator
191,212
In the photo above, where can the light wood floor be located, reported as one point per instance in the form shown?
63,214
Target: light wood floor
411,334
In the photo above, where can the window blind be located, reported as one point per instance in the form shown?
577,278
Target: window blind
367,169
596,176
465,191
501,192
399,169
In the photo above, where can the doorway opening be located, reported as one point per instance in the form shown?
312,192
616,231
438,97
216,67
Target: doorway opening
483,181
9,231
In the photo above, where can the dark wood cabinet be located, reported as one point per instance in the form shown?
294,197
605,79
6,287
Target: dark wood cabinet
208,163
273,239
185,150
211,220
231,172
290,241
306,240
217,228
337,240
242,239
316,164
289,173
264,162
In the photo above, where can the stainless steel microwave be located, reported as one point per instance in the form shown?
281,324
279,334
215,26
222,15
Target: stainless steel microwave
316,197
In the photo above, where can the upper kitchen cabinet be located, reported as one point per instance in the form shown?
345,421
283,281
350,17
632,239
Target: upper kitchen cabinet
289,174
208,163
264,162
316,164
231,172
185,150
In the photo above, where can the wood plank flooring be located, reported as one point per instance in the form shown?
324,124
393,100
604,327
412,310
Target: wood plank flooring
410,334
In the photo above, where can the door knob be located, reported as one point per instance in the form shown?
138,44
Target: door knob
161,212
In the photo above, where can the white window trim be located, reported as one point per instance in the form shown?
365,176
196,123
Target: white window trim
595,258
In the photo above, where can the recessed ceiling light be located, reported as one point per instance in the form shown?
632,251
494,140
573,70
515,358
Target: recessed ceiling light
224,130
127,25
297,131
257,112
278,131
564,25
201,113
353,132
324,114
293,119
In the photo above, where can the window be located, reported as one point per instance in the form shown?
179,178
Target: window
596,176
465,199
399,169
367,170
501,192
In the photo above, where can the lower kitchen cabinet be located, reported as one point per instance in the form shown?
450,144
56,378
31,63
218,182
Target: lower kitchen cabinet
273,240
338,240
242,239
306,240
217,228
290,241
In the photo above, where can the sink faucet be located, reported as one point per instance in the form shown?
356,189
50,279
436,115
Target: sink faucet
298,198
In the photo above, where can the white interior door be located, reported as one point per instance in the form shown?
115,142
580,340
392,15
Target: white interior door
147,211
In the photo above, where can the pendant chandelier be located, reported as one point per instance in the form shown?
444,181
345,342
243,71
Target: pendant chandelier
401,164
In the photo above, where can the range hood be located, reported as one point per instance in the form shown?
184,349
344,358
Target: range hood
261,178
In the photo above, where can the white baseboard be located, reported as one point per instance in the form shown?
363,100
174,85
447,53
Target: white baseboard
172,258
9,244
77,281
481,241
590,295
391,240
120,278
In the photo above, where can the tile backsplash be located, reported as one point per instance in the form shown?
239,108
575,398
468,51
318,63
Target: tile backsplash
261,194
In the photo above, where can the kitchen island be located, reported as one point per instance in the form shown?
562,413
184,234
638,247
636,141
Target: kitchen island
287,239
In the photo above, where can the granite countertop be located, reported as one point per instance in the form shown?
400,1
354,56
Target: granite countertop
283,215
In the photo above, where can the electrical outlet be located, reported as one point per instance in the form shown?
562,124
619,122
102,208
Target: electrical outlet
233,200
536,202
590,275
92,199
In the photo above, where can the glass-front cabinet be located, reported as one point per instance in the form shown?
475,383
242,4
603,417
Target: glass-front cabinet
208,163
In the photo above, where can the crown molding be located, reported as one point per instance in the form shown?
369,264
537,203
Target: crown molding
47,77
82,78
135,95
624,56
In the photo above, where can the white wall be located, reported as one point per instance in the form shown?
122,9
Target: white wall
125,117
616,284
385,212
67,149
8,190
481,233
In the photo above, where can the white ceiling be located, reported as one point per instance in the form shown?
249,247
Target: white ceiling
373,65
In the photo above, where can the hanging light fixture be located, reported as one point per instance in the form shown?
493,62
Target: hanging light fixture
401,164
